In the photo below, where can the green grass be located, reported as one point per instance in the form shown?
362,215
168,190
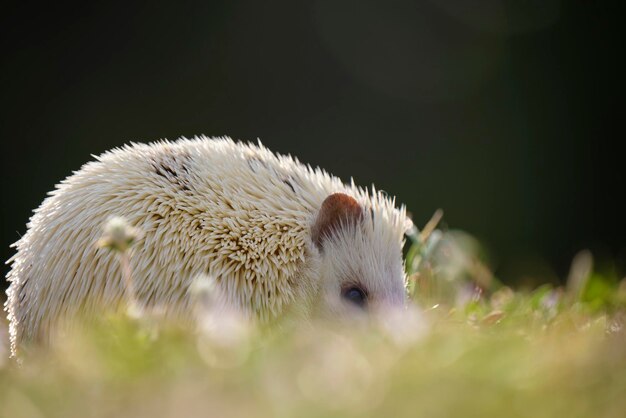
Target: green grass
472,347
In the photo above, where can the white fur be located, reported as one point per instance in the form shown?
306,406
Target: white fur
206,206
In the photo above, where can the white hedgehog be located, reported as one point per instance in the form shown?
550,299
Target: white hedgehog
277,235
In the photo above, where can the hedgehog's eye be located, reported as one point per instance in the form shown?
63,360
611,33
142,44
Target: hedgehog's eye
356,295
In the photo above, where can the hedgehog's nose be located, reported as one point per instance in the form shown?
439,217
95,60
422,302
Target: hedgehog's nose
395,301
404,324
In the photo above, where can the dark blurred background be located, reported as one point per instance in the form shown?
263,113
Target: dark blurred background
502,112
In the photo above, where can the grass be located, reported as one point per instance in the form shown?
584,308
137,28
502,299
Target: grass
469,347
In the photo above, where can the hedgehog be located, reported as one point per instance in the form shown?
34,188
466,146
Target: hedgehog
277,236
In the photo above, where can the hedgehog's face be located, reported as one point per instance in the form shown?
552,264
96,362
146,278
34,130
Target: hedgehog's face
361,269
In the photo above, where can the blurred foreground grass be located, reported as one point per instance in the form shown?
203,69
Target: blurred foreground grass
469,347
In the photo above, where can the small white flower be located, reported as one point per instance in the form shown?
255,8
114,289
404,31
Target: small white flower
118,235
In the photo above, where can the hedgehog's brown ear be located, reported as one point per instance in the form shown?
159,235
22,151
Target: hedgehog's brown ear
337,209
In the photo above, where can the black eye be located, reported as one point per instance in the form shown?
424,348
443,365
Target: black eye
355,295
